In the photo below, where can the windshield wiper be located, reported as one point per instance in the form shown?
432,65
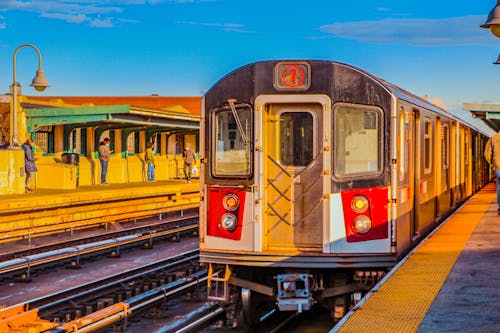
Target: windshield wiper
238,122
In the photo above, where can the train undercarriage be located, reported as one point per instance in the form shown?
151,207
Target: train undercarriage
250,293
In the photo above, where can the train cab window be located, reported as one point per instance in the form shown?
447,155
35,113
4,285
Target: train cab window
358,140
231,143
296,138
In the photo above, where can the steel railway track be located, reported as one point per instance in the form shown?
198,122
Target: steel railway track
22,268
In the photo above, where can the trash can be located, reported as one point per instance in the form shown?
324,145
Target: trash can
70,158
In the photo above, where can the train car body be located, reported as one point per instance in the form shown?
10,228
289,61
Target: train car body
317,177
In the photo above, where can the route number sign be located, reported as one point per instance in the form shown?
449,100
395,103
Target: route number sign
292,76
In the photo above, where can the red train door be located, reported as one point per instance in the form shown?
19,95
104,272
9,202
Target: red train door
293,177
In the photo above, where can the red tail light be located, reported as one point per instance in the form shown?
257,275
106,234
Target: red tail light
225,212
365,214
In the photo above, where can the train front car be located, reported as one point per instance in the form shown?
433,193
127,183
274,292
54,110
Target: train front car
295,186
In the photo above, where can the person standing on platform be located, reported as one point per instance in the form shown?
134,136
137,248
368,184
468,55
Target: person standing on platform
189,161
104,154
492,156
149,158
29,163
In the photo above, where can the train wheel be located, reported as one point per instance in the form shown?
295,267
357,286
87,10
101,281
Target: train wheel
254,306
340,308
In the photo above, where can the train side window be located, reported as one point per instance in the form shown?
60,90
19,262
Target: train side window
404,146
296,138
427,146
358,140
445,134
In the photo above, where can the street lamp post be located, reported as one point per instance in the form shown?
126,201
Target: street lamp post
39,83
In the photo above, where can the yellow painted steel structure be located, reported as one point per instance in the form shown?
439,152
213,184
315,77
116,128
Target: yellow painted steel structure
51,211
402,302
99,319
16,320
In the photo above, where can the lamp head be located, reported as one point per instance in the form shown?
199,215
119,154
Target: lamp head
493,21
498,60
40,82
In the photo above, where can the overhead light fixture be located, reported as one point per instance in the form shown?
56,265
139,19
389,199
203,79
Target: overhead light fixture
493,20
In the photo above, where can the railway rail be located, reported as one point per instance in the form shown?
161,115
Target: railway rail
21,267
102,301
13,250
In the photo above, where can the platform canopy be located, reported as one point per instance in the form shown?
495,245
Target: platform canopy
489,113
112,116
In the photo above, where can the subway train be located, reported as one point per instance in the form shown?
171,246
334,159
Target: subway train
317,177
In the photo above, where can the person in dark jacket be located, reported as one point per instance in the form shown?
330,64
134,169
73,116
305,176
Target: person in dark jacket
29,163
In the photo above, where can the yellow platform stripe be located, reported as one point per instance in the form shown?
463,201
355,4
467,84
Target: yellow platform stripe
402,302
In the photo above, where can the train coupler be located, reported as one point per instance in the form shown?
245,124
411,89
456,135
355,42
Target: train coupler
294,293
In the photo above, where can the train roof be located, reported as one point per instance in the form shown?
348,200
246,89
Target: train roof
463,116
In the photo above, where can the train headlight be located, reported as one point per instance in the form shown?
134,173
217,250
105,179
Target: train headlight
229,222
231,202
359,204
362,224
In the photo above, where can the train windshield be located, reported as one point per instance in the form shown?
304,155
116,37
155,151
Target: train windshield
358,140
231,146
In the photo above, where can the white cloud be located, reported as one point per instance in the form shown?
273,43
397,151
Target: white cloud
446,31
439,102
71,7
219,25
232,27
71,18
105,23
96,13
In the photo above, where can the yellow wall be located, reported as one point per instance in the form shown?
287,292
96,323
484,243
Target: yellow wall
130,169
12,174
4,123
52,174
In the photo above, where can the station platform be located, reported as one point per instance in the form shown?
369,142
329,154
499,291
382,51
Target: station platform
46,198
48,211
449,283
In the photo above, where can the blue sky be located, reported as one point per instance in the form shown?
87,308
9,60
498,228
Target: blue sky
182,47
